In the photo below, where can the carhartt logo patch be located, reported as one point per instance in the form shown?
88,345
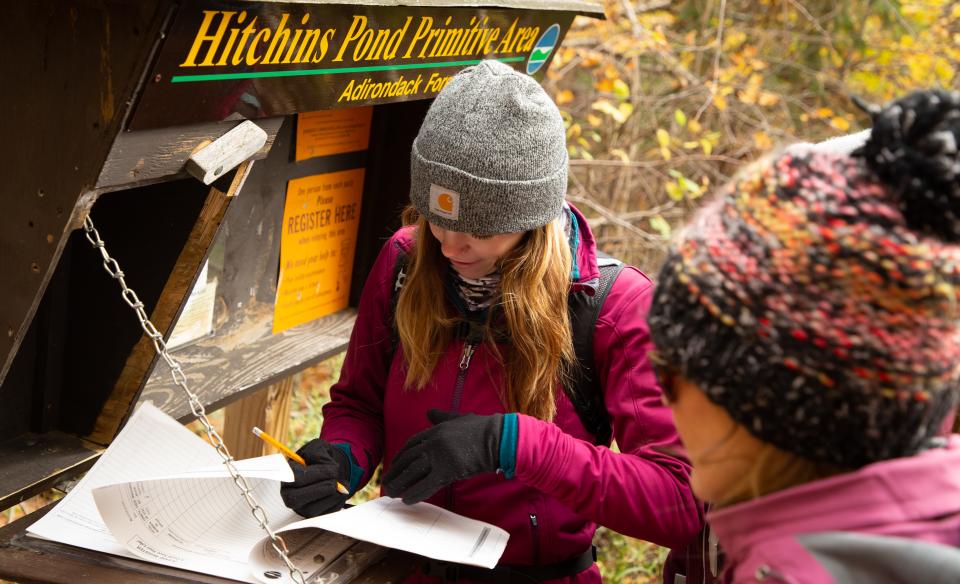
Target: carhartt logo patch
444,202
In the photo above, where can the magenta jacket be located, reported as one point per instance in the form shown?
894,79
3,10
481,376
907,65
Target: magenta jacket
889,522
564,485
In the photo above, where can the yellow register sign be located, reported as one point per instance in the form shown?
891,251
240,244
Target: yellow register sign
333,132
318,240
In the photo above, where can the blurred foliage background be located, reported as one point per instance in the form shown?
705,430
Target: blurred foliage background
663,101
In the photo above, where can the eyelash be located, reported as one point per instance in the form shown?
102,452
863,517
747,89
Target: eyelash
481,236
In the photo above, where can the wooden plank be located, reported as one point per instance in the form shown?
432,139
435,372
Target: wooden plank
268,409
33,463
174,295
279,398
57,131
150,155
223,368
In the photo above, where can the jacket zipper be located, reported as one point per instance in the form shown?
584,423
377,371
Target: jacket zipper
465,357
535,528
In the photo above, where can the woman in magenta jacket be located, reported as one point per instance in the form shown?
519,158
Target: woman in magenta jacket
807,327
455,385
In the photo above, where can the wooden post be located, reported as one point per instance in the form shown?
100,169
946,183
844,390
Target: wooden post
268,409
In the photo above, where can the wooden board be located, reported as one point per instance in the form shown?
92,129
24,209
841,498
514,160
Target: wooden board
33,463
149,155
71,74
221,373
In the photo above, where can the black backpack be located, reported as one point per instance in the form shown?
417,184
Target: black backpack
584,392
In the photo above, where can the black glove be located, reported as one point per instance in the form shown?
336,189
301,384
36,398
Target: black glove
456,448
314,488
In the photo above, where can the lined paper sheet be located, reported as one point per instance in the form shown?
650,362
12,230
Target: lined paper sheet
421,529
151,444
197,520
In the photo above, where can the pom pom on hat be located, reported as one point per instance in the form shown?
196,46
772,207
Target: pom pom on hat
913,148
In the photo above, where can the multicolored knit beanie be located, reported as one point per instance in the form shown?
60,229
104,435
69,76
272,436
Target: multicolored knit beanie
817,300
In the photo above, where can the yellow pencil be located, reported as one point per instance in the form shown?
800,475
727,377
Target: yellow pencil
290,454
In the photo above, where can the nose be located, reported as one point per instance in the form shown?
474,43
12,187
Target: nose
452,243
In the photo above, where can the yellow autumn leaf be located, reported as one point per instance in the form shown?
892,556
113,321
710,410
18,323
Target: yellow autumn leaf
748,95
594,120
694,126
674,191
621,89
606,107
839,123
719,102
762,141
604,85
565,96
663,138
619,153
823,112
707,146
767,99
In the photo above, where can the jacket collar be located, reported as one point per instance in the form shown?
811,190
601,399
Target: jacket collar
876,498
585,274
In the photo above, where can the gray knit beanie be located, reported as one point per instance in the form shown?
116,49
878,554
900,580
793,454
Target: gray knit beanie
491,155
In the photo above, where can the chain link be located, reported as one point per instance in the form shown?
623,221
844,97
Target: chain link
180,379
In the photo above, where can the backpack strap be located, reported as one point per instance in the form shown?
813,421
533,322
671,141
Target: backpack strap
583,388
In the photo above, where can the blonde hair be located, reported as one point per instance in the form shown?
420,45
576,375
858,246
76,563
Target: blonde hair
775,469
534,285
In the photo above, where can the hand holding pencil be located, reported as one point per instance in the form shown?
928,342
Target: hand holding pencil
290,454
320,471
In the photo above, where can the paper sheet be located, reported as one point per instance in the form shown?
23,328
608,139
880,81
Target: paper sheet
162,494
197,520
151,444
422,529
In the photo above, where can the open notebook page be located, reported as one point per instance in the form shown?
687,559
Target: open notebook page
154,445
150,444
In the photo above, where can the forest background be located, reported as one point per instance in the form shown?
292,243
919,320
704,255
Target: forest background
663,101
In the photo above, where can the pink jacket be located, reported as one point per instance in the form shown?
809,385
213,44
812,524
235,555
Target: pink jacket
564,485
892,521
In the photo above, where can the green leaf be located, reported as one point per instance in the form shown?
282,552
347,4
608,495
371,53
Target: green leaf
660,225
680,117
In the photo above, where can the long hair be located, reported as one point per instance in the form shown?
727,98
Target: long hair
534,285
773,470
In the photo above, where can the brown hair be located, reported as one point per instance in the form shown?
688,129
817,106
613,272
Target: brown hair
535,282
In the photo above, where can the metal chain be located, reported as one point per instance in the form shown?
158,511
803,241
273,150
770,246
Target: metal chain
180,379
